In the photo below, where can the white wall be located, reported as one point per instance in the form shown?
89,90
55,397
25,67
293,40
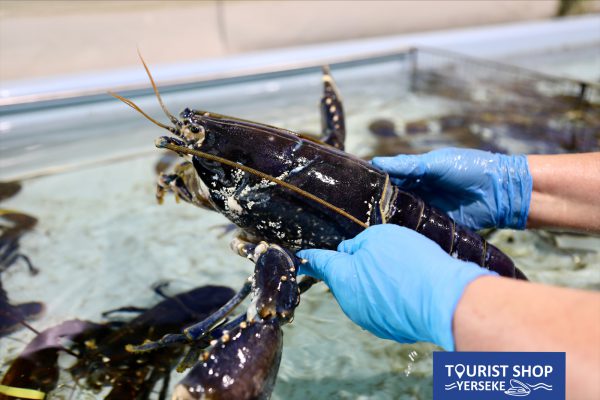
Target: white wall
46,38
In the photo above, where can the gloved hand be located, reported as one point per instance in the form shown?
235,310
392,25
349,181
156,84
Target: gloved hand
395,283
478,189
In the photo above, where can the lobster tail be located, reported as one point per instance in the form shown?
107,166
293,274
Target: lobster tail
410,211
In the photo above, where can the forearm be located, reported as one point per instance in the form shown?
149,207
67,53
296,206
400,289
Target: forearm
566,191
498,314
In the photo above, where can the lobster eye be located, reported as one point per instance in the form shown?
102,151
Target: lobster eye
193,133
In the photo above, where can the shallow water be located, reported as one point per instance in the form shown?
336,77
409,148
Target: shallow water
102,241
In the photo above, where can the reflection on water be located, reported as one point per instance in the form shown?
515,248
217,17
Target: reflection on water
102,241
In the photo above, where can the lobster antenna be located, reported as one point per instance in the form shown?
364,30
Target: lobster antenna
163,143
162,105
131,104
28,326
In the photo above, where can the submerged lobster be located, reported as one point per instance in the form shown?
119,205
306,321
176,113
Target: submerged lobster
13,225
100,349
293,192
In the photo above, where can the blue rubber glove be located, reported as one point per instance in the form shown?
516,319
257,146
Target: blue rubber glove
478,189
395,283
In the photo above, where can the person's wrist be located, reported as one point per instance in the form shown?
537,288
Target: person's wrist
514,191
446,293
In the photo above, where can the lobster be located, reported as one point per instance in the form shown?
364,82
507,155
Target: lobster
100,349
297,191
35,372
294,192
13,225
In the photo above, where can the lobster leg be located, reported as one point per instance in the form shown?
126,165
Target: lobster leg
128,309
243,247
198,330
306,283
19,223
13,316
332,113
162,395
9,254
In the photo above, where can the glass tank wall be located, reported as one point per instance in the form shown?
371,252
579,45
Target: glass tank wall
87,170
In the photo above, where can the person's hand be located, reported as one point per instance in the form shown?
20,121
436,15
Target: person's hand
478,189
394,283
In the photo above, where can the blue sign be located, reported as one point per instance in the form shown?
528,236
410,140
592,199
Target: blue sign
491,376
